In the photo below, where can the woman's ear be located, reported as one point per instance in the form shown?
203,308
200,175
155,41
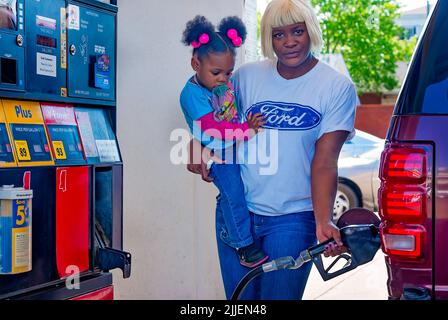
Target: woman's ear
195,63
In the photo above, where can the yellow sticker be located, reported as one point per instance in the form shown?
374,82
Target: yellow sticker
18,111
23,153
59,151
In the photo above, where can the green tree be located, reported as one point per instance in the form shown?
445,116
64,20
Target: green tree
365,33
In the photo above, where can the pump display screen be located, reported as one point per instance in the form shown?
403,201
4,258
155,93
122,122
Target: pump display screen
30,142
66,142
5,145
46,41
8,14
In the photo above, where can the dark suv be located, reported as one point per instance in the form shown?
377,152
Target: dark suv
413,197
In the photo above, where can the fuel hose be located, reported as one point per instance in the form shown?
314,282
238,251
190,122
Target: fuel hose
277,264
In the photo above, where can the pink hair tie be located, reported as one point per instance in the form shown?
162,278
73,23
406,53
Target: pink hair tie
203,39
237,41
233,35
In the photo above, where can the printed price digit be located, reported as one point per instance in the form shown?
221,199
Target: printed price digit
59,151
20,215
23,153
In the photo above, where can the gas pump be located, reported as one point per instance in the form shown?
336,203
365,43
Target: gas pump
57,125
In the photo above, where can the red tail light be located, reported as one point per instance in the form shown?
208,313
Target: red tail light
404,198
405,164
403,203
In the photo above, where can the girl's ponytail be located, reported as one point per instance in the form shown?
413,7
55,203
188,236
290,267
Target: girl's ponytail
233,30
198,32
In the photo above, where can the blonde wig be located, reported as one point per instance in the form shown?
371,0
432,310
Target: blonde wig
280,13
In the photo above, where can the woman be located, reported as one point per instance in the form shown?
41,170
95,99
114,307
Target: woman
311,108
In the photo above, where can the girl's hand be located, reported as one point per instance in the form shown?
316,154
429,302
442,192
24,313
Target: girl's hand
255,121
200,158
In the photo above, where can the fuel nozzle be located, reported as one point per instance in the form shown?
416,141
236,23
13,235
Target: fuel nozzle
362,242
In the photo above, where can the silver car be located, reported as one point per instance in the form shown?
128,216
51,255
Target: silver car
358,168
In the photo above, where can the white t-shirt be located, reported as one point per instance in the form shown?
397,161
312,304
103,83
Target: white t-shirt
276,163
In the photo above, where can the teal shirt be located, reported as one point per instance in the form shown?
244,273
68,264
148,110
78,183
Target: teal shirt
195,102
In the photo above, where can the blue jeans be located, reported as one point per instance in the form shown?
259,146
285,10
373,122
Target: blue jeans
227,179
278,236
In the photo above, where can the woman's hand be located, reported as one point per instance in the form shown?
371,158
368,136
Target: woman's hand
200,159
328,230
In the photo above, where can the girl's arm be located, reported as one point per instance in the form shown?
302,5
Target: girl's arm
324,182
225,130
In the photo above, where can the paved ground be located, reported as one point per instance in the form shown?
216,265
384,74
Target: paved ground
367,282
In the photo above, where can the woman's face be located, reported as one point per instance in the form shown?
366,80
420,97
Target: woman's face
291,44
214,69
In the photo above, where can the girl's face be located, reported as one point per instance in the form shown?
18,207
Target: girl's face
291,44
214,69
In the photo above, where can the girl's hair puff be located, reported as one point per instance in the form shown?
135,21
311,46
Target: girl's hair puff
195,28
233,22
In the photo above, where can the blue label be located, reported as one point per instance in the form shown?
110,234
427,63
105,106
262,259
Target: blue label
69,135
286,116
34,134
21,213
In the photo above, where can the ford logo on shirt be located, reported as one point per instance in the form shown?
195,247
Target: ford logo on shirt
286,116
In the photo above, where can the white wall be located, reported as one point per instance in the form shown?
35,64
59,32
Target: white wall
250,19
168,212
